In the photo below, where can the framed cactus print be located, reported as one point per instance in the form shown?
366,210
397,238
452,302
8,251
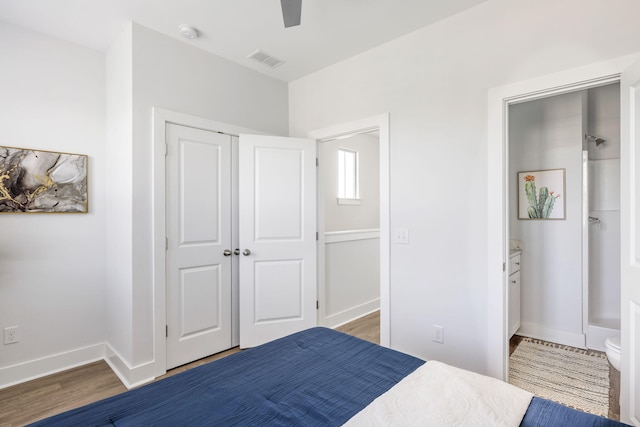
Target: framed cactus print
42,181
541,194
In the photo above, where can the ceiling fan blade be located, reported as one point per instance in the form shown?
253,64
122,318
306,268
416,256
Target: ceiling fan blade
291,11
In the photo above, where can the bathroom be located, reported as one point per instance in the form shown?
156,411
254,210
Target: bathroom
570,263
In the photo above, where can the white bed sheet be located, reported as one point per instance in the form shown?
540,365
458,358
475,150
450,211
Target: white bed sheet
437,394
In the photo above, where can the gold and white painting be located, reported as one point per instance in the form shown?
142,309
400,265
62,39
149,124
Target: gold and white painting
42,181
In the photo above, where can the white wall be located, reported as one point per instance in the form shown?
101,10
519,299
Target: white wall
351,217
434,83
352,276
176,76
603,120
119,135
52,266
548,134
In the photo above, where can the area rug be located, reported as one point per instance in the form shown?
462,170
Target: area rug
567,375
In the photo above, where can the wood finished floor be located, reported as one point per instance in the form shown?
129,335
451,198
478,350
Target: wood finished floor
614,381
41,398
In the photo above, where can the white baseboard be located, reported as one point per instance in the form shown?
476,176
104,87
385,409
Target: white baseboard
533,330
38,368
131,376
351,314
27,371
597,336
351,235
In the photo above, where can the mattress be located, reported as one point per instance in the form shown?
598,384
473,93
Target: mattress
317,377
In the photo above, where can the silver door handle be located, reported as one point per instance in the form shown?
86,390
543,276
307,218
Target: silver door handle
246,252
236,251
226,252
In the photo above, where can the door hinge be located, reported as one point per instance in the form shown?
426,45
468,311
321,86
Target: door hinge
166,331
317,162
166,243
317,236
317,305
504,266
166,149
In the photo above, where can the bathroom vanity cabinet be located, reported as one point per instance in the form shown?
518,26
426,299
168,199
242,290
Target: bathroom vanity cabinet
513,292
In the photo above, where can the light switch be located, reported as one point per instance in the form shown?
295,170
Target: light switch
401,236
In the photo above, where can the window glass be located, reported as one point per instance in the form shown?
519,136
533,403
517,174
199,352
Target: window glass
348,174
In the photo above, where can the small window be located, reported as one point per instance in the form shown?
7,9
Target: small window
348,181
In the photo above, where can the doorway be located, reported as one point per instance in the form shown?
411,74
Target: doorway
625,70
379,124
349,212
569,267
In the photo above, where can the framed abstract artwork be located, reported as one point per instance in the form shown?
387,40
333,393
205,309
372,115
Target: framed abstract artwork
541,194
42,181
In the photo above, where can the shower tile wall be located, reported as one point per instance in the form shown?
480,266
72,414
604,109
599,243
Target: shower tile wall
604,204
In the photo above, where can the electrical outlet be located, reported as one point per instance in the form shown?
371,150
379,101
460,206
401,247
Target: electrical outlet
438,334
11,335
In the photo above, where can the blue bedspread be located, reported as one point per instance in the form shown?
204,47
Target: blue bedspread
317,377
544,412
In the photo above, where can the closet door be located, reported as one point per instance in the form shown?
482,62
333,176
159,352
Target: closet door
198,199
277,197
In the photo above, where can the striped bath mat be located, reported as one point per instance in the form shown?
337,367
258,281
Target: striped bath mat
570,376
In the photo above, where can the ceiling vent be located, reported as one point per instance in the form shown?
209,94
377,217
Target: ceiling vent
265,59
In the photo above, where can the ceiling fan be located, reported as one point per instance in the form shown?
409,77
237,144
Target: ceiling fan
291,11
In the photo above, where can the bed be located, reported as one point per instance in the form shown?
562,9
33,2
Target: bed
321,377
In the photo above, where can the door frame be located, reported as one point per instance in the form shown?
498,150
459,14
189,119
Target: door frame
376,123
499,99
161,117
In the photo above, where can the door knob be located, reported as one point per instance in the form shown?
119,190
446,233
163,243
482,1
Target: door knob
246,252
226,252
236,251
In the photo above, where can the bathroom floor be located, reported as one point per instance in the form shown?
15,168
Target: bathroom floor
614,381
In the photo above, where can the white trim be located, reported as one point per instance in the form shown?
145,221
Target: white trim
380,123
338,319
497,231
38,368
634,354
597,335
130,376
160,119
557,336
351,235
342,201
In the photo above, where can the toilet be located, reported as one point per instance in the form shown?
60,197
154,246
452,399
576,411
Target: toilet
612,349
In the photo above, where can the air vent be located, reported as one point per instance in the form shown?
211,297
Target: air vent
265,59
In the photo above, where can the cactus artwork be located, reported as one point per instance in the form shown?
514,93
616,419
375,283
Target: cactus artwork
541,202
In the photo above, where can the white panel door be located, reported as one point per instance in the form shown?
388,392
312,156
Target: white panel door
277,237
630,244
198,170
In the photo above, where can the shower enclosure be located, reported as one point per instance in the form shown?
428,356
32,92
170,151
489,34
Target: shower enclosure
601,244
